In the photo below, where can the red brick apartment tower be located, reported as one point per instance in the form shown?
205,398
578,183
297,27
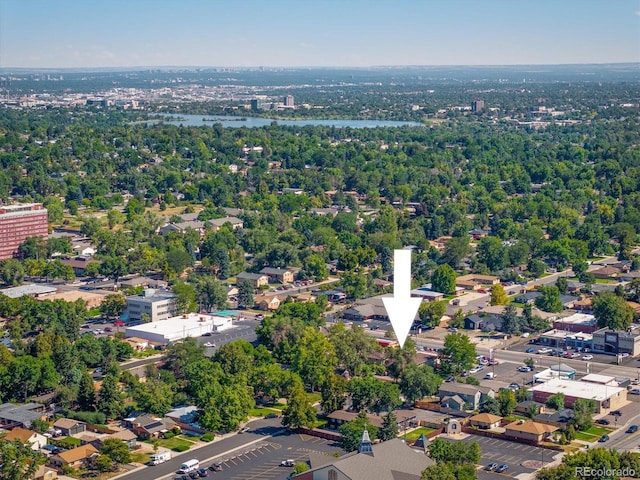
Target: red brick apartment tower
17,222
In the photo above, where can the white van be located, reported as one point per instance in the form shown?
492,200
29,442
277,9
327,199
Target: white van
490,376
189,466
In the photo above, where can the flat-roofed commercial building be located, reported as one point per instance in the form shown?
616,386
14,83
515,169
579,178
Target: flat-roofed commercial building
17,222
159,305
177,328
605,396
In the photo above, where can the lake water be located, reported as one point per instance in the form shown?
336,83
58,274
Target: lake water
253,122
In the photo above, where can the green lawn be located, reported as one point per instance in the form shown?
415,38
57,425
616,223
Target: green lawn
174,442
594,430
415,434
262,411
592,434
585,437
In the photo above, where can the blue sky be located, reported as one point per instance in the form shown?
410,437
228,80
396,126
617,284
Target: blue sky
118,33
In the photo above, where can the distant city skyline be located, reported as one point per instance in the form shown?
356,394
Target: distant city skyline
330,33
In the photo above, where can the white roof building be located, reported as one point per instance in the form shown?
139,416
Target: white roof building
177,328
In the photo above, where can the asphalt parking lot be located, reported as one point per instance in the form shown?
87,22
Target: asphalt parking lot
262,461
511,453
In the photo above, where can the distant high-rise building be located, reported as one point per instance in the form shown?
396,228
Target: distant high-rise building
288,101
255,105
17,222
477,105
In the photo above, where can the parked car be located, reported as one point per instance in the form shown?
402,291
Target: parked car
634,391
632,429
616,413
374,327
216,467
207,334
209,344
502,468
530,350
574,355
544,351
587,357
603,421
603,438
491,467
272,415
287,463
524,368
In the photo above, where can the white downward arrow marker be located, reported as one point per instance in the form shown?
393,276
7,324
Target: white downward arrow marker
402,307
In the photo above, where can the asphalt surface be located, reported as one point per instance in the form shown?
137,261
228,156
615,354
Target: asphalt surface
254,455
509,453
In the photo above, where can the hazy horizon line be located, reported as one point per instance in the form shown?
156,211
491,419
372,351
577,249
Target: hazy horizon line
308,67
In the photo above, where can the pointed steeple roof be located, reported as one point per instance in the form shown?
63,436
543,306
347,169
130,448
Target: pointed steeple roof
365,443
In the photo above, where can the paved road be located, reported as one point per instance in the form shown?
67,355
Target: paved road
619,439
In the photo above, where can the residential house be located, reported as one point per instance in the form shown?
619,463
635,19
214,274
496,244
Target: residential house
182,227
45,473
267,303
127,436
75,458
338,417
528,297
25,436
256,279
475,282
84,249
605,273
487,391
575,286
69,427
235,222
523,407
390,460
79,264
12,415
427,294
529,431
453,403
485,323
478,233
278,275
486,421
147,426
584,305
558,419
469,393
324,212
